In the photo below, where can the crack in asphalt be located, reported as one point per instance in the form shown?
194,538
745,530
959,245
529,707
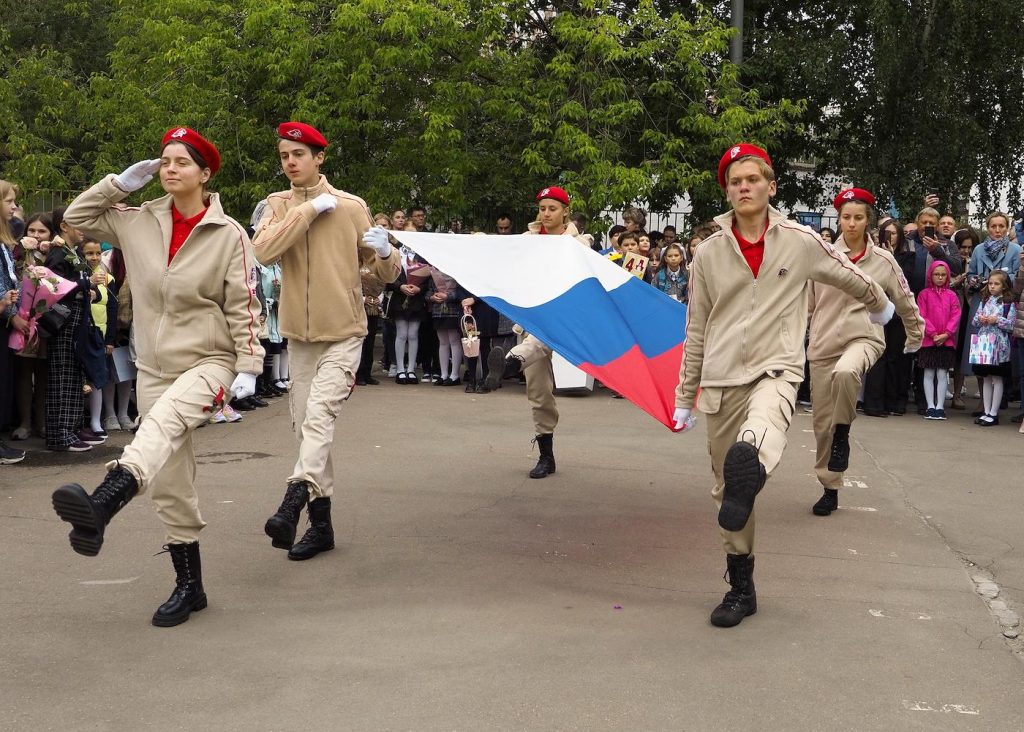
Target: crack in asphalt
1014,643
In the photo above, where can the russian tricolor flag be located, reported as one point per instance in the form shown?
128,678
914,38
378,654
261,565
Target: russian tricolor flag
600,318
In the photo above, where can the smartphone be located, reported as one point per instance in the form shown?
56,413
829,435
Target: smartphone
929,231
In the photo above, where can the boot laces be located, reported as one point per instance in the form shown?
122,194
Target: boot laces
115,488
182,570
294,499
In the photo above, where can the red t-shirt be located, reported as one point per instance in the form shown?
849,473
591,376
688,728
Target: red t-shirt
180,229
752,251
858,257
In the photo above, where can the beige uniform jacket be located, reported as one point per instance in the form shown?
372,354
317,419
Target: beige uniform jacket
837,319
321,256
740,328
202,308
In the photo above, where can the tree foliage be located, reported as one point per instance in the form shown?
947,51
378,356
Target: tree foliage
462,105
901,97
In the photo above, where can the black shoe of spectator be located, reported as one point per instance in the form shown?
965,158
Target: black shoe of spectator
481,388
1017,418
243,405
470,387
10,456
259,403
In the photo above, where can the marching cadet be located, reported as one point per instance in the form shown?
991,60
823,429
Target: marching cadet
323,238
844,343
193,278
532,357
745,327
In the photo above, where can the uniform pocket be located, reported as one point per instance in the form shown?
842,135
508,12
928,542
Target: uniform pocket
709,400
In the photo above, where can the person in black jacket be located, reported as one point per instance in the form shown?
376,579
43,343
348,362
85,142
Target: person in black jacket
887,383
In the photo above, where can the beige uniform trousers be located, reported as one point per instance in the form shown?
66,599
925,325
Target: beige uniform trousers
323,375
758,413
835,386
161,456
540,383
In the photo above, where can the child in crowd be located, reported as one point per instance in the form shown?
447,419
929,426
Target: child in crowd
405,308
990,349
671,277
940,308
445,296
104,318
30,362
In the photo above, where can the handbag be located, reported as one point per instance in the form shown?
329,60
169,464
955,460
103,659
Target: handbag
49,323
470,337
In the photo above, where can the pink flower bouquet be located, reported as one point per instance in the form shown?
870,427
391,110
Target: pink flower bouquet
40,290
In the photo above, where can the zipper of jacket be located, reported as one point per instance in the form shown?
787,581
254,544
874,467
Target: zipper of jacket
305,193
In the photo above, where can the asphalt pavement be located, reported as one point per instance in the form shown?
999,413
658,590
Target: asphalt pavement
464,596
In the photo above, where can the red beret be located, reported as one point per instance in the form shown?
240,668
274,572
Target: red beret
555,194
200,144
853,194
738,152
300,132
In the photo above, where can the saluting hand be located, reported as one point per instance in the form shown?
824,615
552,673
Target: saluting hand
137,175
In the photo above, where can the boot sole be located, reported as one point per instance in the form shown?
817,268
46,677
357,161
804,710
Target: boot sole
72,504
744,479
495,368
822,511
304,557
281,532
169,621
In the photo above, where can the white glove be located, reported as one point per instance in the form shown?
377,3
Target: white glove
684,419
884,316
377,237
136,176
324,202
243,386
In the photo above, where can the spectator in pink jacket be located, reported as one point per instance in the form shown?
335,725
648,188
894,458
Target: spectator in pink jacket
940,308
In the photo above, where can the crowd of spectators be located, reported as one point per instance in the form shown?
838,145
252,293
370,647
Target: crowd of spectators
70,383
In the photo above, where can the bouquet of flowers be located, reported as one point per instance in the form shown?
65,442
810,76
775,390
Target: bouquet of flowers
41,289
417,274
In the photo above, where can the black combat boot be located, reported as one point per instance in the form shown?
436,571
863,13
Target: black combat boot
319,537
282,525
546,462
744,477
501,366
89,515
188,595
828,503
839,459
741,600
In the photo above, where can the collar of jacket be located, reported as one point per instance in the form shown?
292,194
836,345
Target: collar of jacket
306,193
726,220
841,246
161,208
570,229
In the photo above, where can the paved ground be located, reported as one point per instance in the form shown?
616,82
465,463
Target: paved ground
464,596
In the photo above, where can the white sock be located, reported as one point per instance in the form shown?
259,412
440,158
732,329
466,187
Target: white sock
95,410
986,394
285,373
929,381
942,378
997,396
455,339
275,367
444,356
